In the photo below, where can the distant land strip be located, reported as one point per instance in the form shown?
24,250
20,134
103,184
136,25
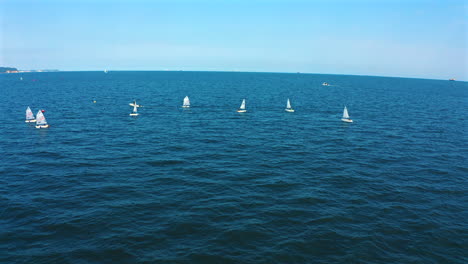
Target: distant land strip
15,70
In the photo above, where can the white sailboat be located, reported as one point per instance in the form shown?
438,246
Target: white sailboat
186,102
346,116
288,107
41,122
29,116
105,71
242,107
135,108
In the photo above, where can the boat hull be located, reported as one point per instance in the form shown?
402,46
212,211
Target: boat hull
241,111
289,110
30,121
133,114
185,106
42,126
346,120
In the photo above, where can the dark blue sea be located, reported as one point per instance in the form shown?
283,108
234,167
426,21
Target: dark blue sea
210,185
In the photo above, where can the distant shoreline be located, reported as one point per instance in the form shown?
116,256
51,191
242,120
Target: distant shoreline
24,71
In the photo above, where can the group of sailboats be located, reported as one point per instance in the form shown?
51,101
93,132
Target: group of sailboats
185,104
345,117
242,109
40,120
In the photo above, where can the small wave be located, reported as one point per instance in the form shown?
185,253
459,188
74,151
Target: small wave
165,162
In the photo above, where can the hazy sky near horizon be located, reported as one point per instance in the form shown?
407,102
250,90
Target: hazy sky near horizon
408,38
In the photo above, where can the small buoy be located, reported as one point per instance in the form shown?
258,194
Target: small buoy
43,111
94,101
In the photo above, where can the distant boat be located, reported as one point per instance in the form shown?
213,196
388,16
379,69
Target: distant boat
242,107
105,71
186,103
41,122
346,116
29,116
21,78
451,79
135,108
325,84
288,107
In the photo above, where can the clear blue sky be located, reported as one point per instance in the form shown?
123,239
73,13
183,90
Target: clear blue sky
410,38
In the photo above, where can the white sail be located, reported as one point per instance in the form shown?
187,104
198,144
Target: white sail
40,119
29,114
345,113
135,108
186,102
242,107
134,104
288,105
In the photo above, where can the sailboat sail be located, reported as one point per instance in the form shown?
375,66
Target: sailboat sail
40,119
242,107
345,113
288,105
135,108
186,102
29,114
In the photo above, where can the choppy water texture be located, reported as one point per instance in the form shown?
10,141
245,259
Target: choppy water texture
209,185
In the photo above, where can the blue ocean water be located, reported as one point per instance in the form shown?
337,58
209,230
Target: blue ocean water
210,185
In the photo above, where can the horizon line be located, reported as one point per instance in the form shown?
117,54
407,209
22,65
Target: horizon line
239,71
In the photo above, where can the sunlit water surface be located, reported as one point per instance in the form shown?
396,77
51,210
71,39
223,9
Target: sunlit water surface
210,185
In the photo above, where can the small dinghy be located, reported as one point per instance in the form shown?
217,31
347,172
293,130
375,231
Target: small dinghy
346,116
41,122
242,107
135,108
29,116
288,107
186,103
